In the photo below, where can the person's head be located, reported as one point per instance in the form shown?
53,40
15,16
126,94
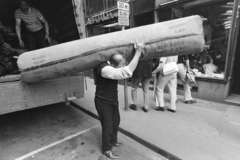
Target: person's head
24,5
118,60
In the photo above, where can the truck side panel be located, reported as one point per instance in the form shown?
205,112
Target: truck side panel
17,95
54,91
12,97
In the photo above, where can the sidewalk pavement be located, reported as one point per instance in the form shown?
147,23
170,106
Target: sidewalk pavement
201,131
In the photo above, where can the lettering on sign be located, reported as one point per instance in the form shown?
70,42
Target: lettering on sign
103,16
123,14
123,6
123,21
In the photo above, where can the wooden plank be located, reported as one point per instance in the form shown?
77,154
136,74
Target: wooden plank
12,97
54,91
10,78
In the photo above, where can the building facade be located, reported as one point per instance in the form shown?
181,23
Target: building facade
217,67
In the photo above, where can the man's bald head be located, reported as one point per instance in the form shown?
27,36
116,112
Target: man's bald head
118,60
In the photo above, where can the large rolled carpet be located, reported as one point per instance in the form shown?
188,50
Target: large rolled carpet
175,37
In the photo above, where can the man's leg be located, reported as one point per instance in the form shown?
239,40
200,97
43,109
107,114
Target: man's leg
105,113
145,87
116,122
172,85
31,41
41,41
135,83
161,83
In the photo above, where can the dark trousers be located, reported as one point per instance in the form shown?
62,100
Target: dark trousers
36,40
110,119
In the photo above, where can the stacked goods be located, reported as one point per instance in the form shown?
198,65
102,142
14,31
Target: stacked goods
175,37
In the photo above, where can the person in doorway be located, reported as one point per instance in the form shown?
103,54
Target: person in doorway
162,81
183,69
37,34
106,96
143,75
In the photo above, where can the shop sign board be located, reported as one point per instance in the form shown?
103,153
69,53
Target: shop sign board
123,6
123,21
102,17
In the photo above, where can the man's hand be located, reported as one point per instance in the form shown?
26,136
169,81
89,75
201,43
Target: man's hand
21,43
139,47
48,38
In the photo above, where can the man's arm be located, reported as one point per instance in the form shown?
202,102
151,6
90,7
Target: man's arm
187,63
162,62
123,72
139,50
44,21
18,31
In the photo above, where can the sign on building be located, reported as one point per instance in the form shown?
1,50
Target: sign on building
123,21
123,6
123,13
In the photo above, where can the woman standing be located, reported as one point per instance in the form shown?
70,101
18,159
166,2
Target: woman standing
162,81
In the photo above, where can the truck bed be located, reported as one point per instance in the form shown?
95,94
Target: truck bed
17,95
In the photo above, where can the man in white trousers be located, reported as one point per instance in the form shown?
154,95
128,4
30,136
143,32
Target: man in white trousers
163,80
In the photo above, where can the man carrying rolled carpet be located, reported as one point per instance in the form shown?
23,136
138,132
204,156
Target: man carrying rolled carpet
106,77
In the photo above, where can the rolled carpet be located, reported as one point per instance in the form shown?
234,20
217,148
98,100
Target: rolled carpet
176,37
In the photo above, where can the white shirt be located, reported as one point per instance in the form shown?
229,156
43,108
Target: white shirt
116,73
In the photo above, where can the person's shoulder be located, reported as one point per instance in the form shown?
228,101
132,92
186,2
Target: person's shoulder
34,9
17,11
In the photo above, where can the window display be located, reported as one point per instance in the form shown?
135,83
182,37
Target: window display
211,61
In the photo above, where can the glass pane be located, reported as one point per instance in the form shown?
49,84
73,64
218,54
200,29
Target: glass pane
211,62
111,3
94,6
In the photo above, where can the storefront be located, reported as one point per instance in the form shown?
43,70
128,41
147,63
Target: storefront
216,67
217,71
101,17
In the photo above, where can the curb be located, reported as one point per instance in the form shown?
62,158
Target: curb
145,143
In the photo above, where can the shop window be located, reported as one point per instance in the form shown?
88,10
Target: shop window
111,3
96,6
212,61
144,19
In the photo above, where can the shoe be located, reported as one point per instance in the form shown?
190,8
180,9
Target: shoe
159,108
190,101
144,109
171,110
133,107
110,154
117,144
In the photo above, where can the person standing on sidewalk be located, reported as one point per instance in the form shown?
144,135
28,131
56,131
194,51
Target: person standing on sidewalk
183,69
106,78
143,75
162,81
33,20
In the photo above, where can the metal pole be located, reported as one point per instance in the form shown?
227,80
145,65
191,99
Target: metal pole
125,86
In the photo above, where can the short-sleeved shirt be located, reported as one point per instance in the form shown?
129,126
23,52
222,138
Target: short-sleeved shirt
31,19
